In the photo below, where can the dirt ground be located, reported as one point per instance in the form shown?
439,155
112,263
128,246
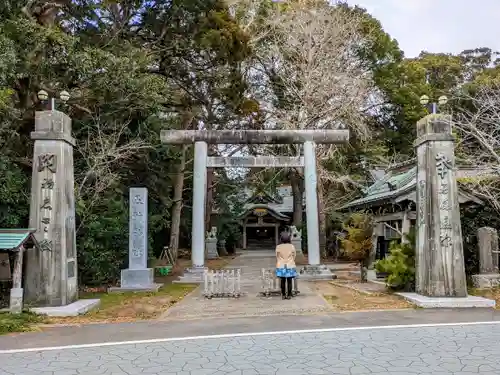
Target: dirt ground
302,260
488,293
344,299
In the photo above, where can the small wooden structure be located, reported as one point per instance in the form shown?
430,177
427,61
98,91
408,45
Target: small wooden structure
13,243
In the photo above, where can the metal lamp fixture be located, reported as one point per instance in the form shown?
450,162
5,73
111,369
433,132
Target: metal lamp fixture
44,96
442,100
64,96
425,101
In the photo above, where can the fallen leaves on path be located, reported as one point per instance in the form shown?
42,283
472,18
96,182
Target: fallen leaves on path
344,299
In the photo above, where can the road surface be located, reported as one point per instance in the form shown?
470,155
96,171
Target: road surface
445,348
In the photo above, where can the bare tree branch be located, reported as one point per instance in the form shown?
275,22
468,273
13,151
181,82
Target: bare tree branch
104,152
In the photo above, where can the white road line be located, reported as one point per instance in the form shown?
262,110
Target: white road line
250,334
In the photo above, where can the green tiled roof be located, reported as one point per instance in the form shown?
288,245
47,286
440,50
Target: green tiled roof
11,239
391,186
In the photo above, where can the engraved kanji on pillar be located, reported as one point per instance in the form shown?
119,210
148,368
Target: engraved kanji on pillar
47,167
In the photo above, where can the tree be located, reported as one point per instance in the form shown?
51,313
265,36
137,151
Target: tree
357,243
400,264
477,127
105,54
306,75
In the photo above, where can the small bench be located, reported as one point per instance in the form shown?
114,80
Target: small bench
271,284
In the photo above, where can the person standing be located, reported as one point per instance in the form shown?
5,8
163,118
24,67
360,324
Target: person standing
285,264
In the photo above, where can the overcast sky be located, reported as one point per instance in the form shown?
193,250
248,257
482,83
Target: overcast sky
438,25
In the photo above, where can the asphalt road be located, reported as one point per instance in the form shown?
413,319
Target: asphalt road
146,330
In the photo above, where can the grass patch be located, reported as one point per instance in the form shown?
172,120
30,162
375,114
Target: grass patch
493,293
23,322
130,306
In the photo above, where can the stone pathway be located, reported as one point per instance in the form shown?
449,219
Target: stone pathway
251,303
439,350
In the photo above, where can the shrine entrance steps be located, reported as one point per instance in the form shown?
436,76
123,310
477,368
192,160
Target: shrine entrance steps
251,303
261,245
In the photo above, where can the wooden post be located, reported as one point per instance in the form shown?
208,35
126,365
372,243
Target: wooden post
17,276
405,226
244,235
16,293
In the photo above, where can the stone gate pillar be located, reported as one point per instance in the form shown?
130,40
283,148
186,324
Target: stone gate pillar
311,190
439,252
195,273
314,270
51,274
199,194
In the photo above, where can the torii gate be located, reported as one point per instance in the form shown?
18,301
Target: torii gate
201,139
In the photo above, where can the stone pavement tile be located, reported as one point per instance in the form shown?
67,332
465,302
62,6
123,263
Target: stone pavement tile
457,350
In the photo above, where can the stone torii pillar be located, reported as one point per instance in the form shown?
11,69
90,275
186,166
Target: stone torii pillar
309,138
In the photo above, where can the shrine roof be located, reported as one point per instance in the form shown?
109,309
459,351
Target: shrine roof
389,187
277,215
399,184
264,197
12,239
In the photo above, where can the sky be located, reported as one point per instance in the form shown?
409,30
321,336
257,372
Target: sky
449,26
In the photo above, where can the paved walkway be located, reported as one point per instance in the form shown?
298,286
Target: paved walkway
251,303
438,350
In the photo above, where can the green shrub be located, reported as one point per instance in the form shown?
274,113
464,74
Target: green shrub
400,264
18,322
357,243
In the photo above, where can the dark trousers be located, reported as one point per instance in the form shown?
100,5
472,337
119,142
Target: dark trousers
286,286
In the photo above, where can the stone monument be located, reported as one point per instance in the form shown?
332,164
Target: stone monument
296,238
211,244
52,272
488,276
137,277
440,270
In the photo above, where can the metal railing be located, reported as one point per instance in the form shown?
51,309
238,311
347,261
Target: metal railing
271,283
222,283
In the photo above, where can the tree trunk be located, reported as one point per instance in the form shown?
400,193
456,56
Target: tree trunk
177,206
297,191
322,220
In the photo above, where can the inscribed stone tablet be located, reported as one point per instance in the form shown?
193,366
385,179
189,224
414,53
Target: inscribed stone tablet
138,253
